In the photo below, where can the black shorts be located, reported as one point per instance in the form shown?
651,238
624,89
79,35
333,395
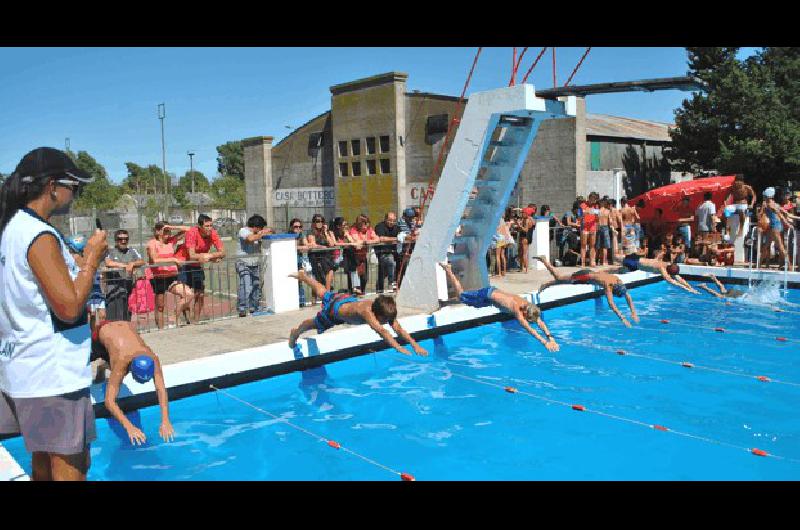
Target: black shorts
321,264
160,285
193,276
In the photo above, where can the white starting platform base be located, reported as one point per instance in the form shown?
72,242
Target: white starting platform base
540,246
280,259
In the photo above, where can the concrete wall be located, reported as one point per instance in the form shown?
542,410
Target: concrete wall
293,168
258,176
369,108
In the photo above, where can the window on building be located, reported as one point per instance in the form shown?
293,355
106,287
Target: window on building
371,145
386,166
371,167
355,147
356,169
343,148
384,144
343,170
435,128
314,143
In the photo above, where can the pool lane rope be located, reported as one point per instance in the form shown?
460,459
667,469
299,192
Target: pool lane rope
685,364
581,408
331,443
707,328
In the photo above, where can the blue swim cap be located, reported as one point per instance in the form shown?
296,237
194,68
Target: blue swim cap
142,368
619,289
76,243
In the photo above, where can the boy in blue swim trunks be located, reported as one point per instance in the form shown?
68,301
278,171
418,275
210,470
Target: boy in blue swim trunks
342,308
517,306
610,283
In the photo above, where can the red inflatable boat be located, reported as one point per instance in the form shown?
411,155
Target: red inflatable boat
668,198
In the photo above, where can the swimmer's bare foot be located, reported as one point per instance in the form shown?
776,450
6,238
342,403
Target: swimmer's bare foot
293,335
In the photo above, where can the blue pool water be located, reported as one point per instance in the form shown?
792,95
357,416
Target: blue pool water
421,418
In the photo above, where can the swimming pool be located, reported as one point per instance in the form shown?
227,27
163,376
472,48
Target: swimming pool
449,417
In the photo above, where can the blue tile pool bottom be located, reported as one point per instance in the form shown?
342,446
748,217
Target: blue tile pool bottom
429,417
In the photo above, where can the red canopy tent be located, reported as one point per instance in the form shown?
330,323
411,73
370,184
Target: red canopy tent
668,197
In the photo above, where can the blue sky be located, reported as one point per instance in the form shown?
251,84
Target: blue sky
105,99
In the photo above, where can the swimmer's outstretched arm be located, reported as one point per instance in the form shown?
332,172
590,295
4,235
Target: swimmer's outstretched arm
402,333
549,342
634,316
613,306
722,288
372,322
165,430
669,279
709,290
685,284
135,435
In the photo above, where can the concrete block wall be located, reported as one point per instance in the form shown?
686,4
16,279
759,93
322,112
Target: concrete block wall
258,176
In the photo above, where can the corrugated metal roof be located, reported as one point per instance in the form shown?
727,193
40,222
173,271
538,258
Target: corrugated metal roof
617,126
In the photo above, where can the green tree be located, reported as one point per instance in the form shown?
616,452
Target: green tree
230,161
228,192
201,182
102,193
748,121
143,180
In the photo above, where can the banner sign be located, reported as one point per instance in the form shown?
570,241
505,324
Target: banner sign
304,197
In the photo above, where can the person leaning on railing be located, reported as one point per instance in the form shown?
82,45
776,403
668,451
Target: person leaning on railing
363,233
163,272
296,228
346,256
121,262
320,240
387,231
195,251
248,264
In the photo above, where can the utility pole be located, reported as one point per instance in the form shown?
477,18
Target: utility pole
191,172
162,112
66,144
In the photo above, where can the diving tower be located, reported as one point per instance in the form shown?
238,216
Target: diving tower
491,144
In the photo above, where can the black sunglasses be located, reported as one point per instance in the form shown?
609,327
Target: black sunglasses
297,226
71,184
122,239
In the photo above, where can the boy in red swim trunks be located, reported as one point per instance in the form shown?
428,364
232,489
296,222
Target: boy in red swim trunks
610,283
342,308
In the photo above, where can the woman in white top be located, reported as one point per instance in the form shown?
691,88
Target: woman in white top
44,333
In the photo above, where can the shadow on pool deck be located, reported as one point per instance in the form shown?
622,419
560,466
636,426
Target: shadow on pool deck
202,340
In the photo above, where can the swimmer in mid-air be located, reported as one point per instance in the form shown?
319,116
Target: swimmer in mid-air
517,306
120,347
669,271
342,308
723,291
610,283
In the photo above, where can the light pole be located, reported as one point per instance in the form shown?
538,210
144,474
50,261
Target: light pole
162,112
191,172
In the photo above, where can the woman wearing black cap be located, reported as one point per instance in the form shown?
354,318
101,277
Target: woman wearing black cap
44,334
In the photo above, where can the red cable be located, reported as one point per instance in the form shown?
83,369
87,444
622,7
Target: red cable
534,64
576,67
515,67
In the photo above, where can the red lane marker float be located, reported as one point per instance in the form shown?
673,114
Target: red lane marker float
665,321
407,477
620,352
759,452
687,365
578,407
334,444
763,378
721,330
660,428
511,390
782,339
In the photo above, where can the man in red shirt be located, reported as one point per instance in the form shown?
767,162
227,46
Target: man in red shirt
530,210
197,248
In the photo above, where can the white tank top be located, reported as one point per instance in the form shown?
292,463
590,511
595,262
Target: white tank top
40,355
